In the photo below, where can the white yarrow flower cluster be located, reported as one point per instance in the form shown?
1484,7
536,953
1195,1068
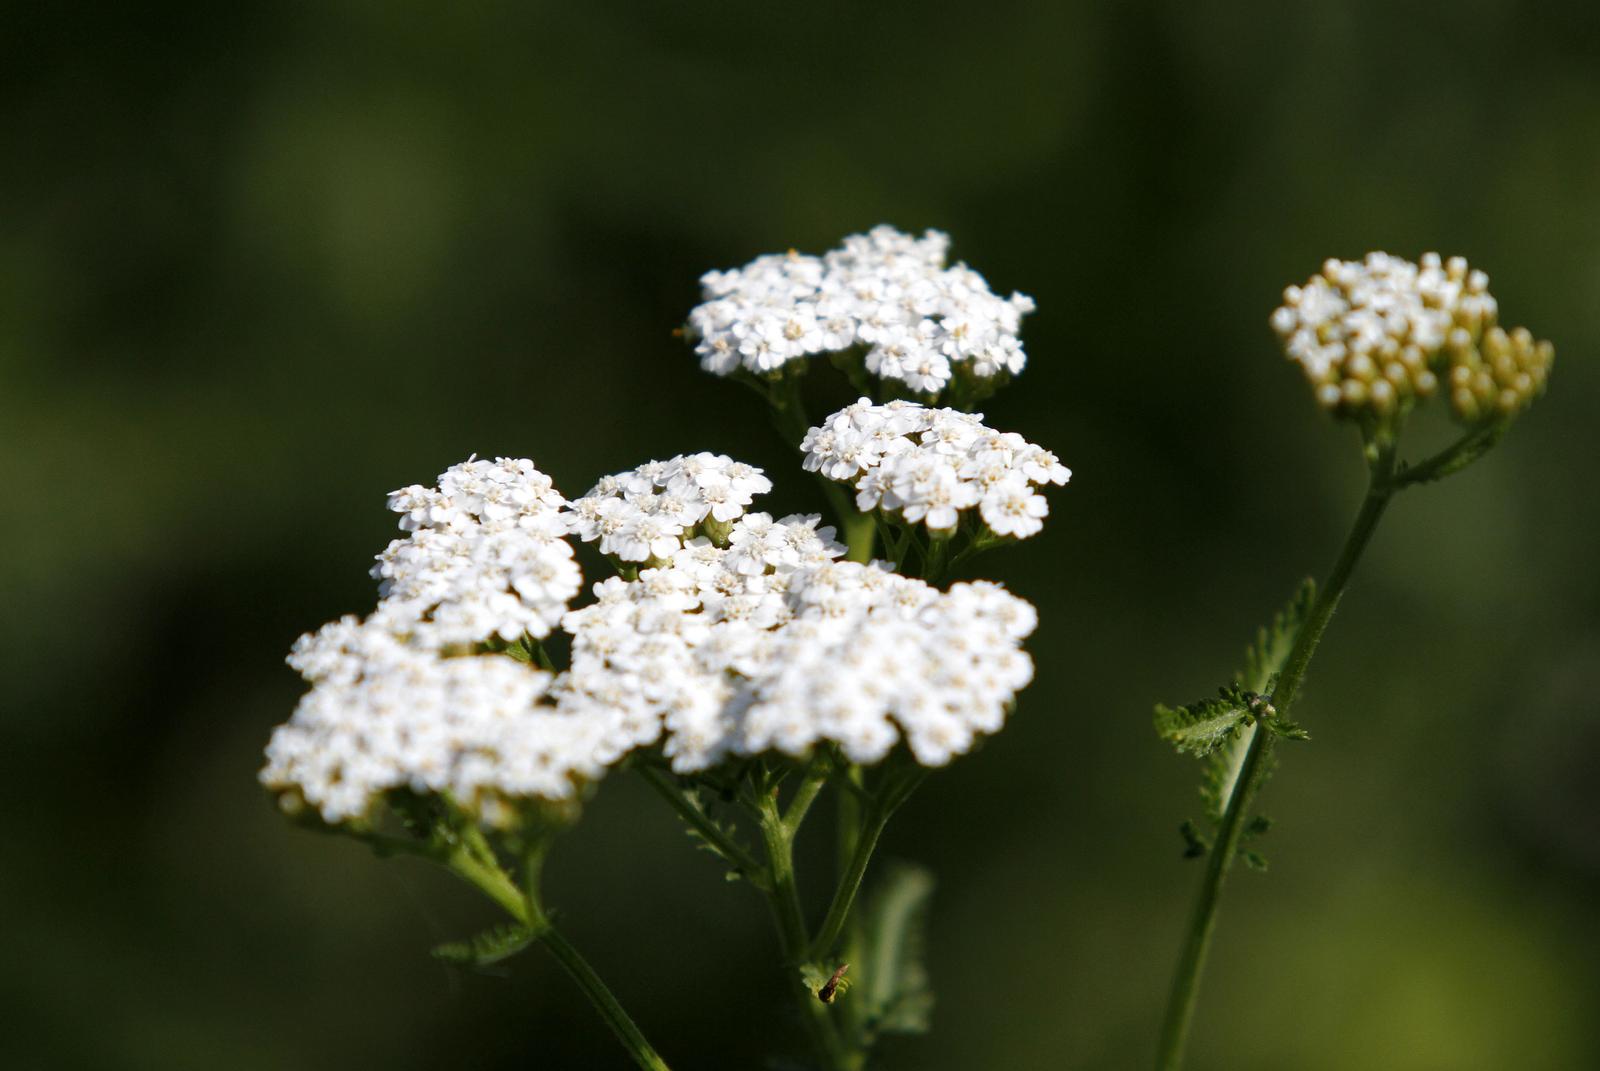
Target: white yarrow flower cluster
929,466
388,708
770,643
663,652
385,713
485,556
918,320
648,513
873,657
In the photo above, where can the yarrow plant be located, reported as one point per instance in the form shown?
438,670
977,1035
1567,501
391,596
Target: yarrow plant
744,666
747,666
1375,338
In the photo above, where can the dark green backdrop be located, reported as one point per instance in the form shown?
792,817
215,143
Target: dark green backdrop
260,263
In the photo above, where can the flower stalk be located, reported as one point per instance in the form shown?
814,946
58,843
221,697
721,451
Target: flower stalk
1381,487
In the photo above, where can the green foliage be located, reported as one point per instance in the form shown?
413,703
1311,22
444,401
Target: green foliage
714,833
897,993
1219,730
1283,728
1257,826
1200,728
1264,658
492,946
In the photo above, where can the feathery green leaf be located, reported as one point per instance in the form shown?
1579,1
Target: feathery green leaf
1196,844
1263,661
1200,728
894,978
489,947
1264,658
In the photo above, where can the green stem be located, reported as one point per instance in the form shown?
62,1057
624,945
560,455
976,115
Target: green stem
578,969
708,831
783,895
490,880
1380,489
816,776
494,882
857,531
1453,458
861,847
785,892
1257,764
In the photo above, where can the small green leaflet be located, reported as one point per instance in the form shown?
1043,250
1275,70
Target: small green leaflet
489,947
1219,730
1264,659
1200,728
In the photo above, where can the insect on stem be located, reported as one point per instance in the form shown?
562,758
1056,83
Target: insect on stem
830,988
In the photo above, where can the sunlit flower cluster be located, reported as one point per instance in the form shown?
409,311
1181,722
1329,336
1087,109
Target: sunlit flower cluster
929,466
401,699
771,644
648,513
1372,335
919,321
485,556
386,713
872,657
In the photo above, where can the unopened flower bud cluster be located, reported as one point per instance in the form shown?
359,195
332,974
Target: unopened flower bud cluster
649,512
1373,335
919,321
929,466
1497,375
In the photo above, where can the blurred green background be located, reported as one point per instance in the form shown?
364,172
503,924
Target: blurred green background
260,263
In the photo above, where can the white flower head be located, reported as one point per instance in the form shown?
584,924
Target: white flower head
931,466
649,513
919,320
385,712
771,643
485,556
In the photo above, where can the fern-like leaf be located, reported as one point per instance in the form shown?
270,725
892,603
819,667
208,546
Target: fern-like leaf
1201,728
489,947
894,978
1264,659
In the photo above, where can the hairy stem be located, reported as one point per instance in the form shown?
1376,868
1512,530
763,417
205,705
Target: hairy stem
1257,764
